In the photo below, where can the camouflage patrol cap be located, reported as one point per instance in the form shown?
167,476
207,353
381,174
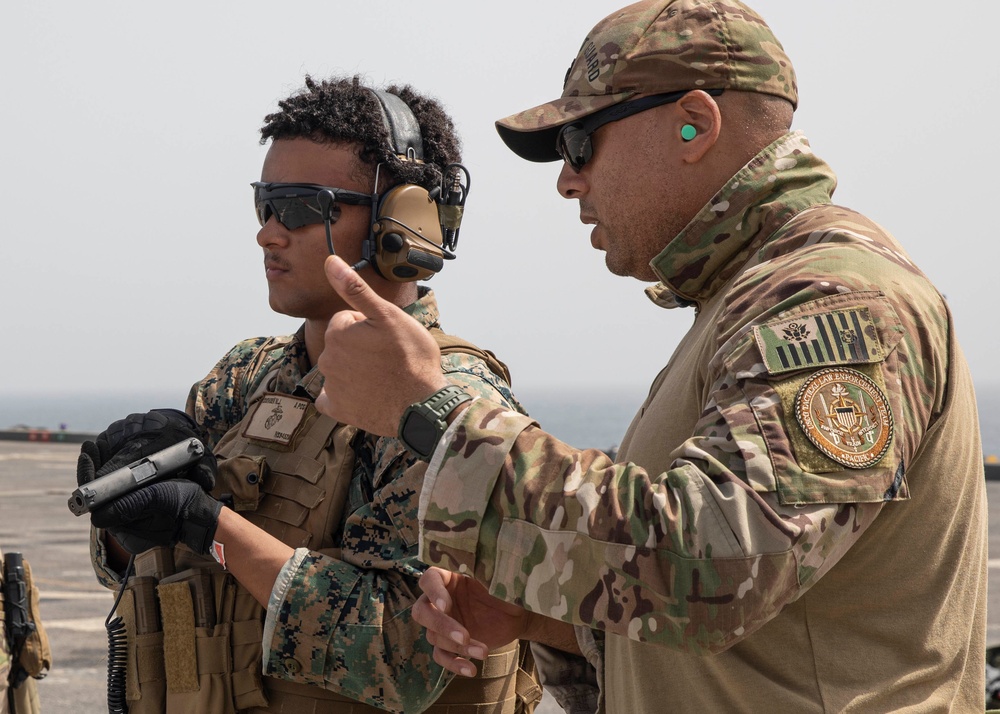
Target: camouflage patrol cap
655,47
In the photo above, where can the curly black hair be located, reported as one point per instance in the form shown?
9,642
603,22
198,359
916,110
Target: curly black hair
344,110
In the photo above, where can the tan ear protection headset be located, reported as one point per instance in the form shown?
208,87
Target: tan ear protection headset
413,230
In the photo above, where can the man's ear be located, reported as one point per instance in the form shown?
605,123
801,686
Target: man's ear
699,123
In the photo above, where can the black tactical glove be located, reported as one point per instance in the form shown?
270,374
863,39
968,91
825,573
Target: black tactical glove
140,435
164,513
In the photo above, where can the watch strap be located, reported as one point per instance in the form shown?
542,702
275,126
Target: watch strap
424,423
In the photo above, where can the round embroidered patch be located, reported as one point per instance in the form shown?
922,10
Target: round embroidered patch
846,416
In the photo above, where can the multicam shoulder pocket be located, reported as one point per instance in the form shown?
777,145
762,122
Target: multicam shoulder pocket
815,379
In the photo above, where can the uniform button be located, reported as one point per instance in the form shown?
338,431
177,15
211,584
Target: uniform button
292,666
252,477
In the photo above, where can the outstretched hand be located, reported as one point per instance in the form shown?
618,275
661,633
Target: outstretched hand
464,621
376,359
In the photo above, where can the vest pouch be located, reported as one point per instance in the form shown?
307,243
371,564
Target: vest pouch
150,686
196,647
145,678
36,655
504,684
241,477
247,617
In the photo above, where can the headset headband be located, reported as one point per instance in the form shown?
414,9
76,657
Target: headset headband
404,131
413,229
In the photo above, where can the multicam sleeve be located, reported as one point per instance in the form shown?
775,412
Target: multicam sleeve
692,558
345,618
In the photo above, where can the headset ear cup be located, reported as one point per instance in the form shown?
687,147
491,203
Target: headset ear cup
406,235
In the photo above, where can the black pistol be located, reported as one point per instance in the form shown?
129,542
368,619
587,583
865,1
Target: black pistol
137,474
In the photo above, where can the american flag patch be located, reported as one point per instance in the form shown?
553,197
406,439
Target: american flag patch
839,337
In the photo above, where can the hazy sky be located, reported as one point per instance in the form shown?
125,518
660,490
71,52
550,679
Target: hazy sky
131,138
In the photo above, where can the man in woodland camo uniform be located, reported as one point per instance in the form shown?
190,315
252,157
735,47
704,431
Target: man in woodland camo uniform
305,603
796,522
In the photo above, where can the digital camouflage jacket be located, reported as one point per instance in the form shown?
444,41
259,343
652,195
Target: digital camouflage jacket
362,643
797,522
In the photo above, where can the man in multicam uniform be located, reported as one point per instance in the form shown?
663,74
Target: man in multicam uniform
797,521
337,588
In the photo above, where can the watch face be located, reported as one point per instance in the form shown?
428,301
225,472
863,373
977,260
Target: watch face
423,423
419,434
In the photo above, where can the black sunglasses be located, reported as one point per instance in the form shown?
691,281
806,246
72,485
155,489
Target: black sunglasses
301,204
573,141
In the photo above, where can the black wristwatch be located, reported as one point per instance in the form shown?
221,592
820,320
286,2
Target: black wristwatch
425,422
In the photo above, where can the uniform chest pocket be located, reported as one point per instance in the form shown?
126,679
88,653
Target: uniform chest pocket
241,477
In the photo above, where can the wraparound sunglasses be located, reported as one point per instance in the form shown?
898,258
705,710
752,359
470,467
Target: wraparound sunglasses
573,142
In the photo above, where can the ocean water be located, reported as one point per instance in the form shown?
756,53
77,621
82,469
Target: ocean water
597,419
988,400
